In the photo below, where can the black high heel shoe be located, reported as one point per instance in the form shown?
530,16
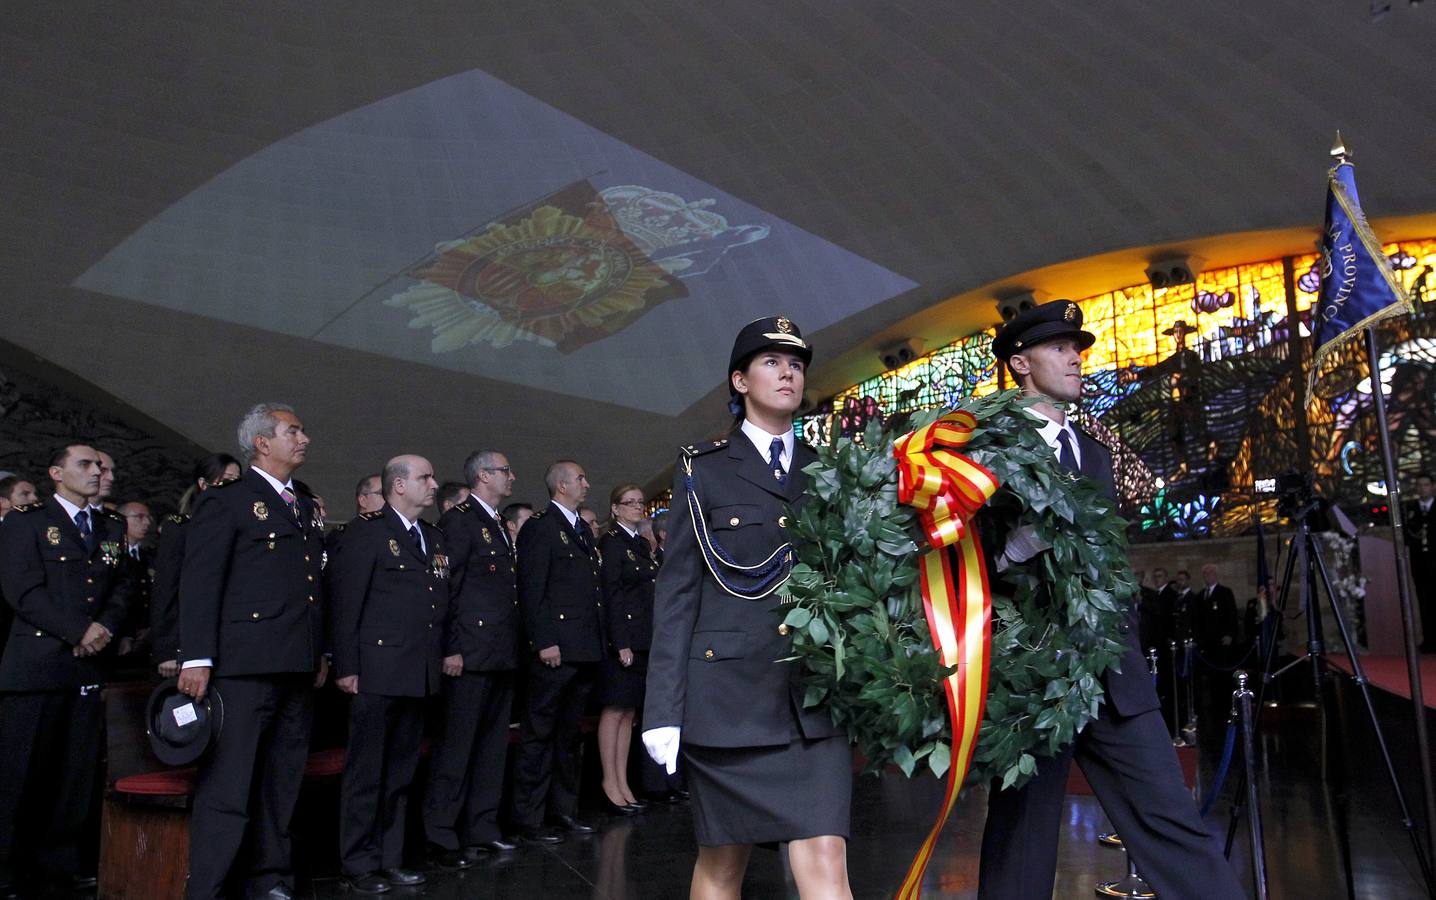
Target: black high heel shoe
618,809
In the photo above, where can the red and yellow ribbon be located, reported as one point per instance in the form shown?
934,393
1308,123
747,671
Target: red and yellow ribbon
947,489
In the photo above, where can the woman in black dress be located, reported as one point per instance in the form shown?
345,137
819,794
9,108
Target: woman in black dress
628,575
761,768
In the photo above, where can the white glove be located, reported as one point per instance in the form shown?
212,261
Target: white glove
1022,545
662,745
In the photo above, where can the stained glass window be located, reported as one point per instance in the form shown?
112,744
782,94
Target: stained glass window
1198,388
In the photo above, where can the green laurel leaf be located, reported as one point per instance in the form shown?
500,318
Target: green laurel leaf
860,635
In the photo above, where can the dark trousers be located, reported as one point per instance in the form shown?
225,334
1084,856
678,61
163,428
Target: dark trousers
49,774
248,784
379,764
466,774
547,768
1423,574
1133,769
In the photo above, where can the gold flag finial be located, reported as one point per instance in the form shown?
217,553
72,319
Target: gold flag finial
1338,149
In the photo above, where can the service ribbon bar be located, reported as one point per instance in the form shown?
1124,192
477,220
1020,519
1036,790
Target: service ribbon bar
947,489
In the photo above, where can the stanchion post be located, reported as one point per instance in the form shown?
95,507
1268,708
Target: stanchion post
1242,699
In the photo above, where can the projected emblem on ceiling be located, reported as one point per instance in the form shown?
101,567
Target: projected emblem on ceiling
467,225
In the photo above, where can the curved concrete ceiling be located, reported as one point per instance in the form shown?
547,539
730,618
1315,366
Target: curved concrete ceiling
193,196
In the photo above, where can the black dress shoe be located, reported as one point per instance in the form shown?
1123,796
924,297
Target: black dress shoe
540,835
498,845
618,809
449,859
571,825
403,877
372,883
81,883
278,892
639,804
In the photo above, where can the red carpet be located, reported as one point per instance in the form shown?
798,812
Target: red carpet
1389,674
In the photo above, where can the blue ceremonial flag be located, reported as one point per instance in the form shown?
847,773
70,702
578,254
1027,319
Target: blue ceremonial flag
1358,287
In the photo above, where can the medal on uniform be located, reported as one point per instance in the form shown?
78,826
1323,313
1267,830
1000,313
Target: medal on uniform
488,538
52,534
439,567
261,512
563,537
110,552
631,557
393,546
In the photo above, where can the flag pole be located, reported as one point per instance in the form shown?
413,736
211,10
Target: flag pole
1403,575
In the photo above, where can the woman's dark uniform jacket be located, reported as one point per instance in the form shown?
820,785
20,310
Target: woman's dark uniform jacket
483,624
714,666
628,576
57,587
388,605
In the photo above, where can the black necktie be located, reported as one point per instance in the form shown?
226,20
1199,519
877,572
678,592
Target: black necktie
1066,457
580,531
414,533
775,461
82,520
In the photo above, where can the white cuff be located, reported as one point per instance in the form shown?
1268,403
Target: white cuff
198,663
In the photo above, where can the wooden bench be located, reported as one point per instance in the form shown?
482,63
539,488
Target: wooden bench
144,819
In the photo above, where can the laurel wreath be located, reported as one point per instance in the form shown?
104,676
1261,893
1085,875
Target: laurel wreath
856,616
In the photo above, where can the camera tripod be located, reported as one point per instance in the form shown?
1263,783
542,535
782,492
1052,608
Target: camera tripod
1303,546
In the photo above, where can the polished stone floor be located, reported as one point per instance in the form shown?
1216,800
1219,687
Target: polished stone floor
651,855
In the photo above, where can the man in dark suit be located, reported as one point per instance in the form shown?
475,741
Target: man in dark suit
389,595
481,639
61,570
1214,618
1420,529
559,593
1126,752
252,623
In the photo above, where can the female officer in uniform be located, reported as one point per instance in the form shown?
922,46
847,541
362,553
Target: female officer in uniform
628,574
760,767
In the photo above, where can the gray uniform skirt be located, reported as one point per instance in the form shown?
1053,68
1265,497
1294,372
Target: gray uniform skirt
758,795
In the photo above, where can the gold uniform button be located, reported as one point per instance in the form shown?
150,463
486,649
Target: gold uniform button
62,559
782,521
254,615
39,634
89,581
734,521
310,577
381,642
707,654
783,629
560,617
481,623
306,559
630,616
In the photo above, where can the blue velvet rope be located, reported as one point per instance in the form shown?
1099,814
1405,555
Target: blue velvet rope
1222,768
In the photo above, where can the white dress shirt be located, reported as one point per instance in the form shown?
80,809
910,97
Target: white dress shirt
764,442
1050,428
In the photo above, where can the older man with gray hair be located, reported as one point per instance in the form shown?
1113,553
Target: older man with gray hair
252,630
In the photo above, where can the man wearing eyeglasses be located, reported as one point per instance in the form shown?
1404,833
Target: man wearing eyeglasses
466,776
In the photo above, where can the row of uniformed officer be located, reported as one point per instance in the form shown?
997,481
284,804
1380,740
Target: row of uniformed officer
61,572
389,594
481,647
251,620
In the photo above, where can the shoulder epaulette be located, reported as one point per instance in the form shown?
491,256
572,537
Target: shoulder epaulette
224,484
464,507
339,528
539,514
702,447
371,516
106,511
176,518
30,507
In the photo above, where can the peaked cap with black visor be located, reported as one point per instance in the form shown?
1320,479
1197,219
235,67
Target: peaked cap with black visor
1040,324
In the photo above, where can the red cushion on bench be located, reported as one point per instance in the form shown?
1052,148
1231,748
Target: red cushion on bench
324,764
169,783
